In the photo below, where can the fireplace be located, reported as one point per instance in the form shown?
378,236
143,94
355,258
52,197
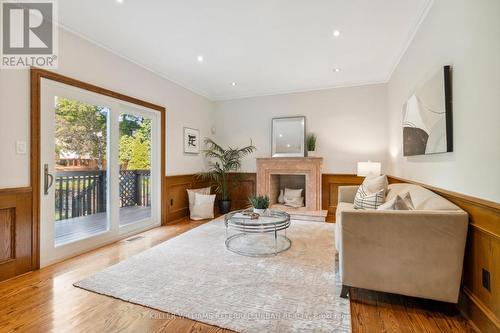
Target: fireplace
282,181
277,173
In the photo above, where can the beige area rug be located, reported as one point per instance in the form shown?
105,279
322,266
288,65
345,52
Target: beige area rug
193,275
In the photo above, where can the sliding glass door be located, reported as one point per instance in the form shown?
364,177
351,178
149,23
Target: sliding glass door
136,158
100,170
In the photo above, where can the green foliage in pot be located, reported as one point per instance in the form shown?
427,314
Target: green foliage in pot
259,201
311,142
222,161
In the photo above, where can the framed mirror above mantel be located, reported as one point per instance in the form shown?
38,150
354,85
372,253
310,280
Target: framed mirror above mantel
288,136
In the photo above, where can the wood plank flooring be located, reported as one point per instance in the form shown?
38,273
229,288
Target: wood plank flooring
46,301
373,311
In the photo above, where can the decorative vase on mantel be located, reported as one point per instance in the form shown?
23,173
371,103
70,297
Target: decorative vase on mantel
311,153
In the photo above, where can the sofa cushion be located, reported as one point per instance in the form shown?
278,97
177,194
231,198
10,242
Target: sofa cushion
399,202
422,198
365,199
376,183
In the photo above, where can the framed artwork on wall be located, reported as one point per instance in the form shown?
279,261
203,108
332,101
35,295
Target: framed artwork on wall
427,117
191,141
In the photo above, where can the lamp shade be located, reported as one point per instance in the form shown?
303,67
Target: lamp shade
369,168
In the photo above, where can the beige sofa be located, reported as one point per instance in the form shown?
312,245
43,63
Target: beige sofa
415,253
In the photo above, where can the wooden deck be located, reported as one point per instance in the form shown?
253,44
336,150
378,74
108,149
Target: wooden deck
81,227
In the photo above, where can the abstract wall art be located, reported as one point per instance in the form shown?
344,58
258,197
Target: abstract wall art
427,117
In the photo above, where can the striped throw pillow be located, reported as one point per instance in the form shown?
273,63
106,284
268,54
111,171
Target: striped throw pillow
366,200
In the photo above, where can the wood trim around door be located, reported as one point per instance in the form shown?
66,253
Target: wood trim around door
37,75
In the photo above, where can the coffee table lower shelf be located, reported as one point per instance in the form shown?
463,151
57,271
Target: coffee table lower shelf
257,245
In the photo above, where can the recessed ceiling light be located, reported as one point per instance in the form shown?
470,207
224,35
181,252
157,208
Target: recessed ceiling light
119,1
200,58
336,33
233,84
336,70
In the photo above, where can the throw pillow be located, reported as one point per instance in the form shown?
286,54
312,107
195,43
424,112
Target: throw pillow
399,202
291,193
203,207
404,202
294,202
365,199
388,205
374,184
191,192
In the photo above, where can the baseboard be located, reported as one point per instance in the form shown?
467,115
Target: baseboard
177,215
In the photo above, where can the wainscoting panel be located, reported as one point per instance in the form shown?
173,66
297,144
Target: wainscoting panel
482,306
245,186
7,234
330,190
15,232
176,195
242,186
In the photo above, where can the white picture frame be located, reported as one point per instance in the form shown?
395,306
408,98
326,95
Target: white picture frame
191,141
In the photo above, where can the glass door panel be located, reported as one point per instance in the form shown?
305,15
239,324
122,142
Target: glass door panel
80,180
135,168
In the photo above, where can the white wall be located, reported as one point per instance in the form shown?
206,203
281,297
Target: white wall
466,35
85,61
350,123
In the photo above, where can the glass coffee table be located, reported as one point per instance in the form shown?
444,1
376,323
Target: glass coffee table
264,236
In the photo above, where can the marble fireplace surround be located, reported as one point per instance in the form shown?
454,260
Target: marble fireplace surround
310,167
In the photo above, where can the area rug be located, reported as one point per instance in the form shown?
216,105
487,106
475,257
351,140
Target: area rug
193,275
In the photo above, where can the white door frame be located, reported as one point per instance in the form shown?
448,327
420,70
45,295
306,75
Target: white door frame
49,253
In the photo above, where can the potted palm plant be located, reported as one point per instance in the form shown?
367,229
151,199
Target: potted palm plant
259,203
221,162
311,144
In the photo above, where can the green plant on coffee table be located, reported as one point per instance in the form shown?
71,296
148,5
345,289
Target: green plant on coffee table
311,142
259,201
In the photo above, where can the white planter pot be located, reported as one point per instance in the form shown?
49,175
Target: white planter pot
259,211
311,153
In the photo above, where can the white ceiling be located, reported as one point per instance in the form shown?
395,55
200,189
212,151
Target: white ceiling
265,46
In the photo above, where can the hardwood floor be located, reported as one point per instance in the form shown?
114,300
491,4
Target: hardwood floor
45,300
373,311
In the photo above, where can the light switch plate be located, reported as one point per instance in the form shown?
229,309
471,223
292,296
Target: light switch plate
21,147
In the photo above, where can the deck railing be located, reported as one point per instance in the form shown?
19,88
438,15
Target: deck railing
81,193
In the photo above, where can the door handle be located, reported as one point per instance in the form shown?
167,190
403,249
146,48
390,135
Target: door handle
48,179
